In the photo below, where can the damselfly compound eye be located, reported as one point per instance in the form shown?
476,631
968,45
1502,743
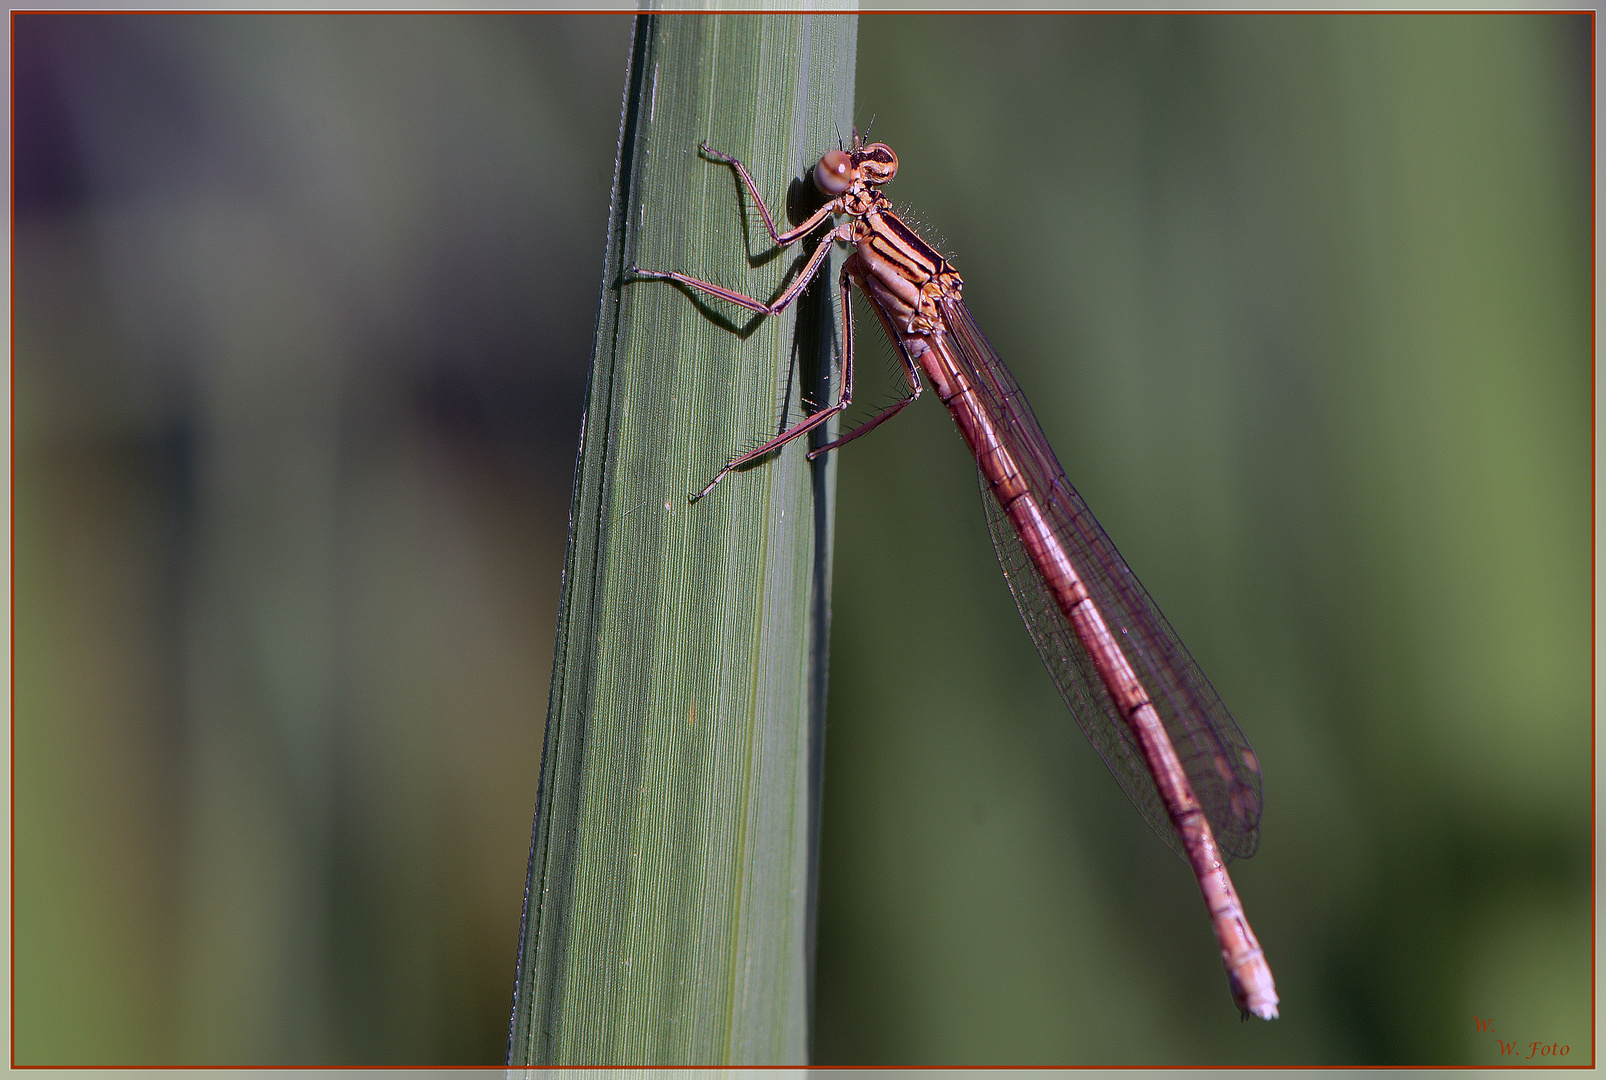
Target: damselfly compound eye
834,174
877,163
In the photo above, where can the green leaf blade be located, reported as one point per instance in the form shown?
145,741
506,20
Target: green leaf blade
667,915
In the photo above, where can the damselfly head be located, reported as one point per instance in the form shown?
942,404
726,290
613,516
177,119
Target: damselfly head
839,169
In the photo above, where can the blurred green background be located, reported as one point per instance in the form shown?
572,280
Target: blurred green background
303,315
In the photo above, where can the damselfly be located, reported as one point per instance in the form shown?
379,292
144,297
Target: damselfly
1133,688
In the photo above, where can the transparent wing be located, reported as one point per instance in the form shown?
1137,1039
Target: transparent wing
1221,766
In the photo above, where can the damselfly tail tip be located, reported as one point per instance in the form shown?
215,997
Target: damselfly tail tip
1253,990
1263,1012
